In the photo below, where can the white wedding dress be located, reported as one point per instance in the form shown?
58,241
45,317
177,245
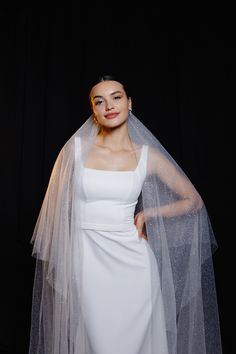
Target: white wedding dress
120,314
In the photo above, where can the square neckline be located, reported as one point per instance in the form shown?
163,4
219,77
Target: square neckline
119,171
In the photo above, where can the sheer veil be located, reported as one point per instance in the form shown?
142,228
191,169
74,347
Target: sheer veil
183,245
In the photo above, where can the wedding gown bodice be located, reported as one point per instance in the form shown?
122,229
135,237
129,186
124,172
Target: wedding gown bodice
115,192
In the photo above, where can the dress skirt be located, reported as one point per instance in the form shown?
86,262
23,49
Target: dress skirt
122,309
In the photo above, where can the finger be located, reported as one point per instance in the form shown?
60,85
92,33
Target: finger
139,233
144,236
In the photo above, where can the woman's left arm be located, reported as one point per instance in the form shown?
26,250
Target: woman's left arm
189,199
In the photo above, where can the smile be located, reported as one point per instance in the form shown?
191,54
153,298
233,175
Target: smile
111,115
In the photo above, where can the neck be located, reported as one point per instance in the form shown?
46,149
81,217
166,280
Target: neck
114,138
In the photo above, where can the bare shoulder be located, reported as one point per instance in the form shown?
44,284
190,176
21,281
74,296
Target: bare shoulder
157,161
137,147
154,153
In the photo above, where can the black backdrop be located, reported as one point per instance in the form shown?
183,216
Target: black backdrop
178,63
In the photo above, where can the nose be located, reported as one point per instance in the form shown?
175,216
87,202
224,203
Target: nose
109,105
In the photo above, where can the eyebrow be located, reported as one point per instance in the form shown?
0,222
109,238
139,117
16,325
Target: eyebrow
112,94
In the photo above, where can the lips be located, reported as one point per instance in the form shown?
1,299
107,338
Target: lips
111,115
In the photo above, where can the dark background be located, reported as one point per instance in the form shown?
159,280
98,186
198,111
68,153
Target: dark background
178,63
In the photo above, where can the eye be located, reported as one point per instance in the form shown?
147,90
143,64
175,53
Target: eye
117,97
98,102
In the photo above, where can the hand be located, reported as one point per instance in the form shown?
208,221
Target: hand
139,221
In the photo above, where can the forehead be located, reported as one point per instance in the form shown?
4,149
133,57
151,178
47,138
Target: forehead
105,88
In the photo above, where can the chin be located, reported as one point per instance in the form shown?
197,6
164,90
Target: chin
114,122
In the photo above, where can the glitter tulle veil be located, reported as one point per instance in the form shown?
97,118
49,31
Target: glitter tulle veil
183,245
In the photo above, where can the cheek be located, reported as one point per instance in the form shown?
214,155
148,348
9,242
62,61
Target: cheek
99,113
98,110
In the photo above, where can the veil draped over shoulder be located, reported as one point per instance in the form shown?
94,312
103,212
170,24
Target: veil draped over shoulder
183,245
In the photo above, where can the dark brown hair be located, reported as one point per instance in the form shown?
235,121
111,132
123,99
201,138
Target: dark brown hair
109,78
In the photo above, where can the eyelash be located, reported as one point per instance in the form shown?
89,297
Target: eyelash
99,102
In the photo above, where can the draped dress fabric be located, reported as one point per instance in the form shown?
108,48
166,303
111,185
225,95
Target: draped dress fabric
118,308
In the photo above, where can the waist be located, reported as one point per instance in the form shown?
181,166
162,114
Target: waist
107,215
107,227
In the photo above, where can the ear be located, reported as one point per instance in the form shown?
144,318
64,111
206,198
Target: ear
130,104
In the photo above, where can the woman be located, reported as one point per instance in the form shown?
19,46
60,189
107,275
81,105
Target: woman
123,243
